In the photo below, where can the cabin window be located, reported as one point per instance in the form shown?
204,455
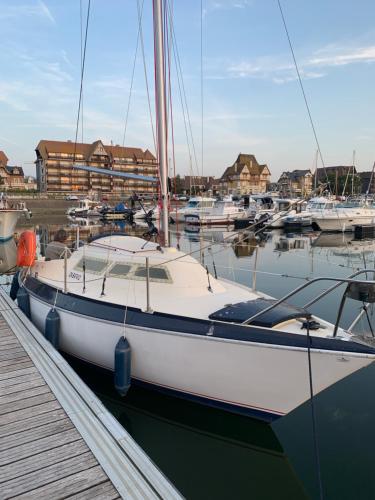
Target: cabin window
159,274
120,270
94,266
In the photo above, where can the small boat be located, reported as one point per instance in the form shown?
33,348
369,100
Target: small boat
223,213
147,213
275,217
198,204
119,212
85,208
9,215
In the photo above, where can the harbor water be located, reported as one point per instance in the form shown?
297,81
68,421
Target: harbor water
208,453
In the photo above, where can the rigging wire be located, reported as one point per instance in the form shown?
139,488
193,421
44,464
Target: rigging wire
145,73
303,91
133,73
81,30
183,91
313,413
202,104
313,417
82,74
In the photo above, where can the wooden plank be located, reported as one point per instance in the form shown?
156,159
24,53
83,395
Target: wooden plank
6,333
25,413
43,444
31,423
29,384
67,486
6,372
20,365
42,460
26,403
10,362
12,354
103,491
37,481
20,379
23,395
9,348
40,432
8,341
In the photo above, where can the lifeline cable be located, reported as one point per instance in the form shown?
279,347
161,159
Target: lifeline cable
82,74
313,415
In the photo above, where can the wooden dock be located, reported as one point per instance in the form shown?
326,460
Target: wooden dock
57,440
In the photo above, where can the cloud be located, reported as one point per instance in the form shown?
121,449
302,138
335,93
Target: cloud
112,83
343,57
65,58
213,6
280,71
46,12
38,9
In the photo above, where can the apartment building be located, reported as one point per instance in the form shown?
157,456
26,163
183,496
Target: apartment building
55,173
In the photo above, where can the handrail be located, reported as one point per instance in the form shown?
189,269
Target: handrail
323,294
326,292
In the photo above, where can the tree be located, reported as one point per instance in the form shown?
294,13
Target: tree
178,184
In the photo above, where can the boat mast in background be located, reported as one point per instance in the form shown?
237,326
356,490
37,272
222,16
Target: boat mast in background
161,115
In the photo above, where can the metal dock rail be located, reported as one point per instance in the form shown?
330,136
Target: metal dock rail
57,440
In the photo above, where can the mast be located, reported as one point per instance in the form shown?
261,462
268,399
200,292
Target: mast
161,114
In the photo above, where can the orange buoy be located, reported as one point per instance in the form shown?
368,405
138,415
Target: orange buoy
26,249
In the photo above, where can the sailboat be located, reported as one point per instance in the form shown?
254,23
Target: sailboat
188,333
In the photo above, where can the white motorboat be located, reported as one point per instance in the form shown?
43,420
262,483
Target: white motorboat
150,213
158,318
304,215
198,204
223,213
9,215
85,208
275,217
344,216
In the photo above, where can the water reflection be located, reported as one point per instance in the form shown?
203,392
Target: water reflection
205,452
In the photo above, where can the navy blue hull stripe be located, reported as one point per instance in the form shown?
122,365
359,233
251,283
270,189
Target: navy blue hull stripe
181,324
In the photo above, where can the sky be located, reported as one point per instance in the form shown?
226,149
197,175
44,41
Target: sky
252,102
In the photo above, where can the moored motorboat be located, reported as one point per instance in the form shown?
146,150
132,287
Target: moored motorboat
9,215
344,217
85,208
223,213
198,204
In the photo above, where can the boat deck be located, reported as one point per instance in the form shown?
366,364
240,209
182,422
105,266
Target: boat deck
57,440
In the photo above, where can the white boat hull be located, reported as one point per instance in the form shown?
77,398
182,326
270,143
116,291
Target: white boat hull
8,222
262,380
343,223
214,220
